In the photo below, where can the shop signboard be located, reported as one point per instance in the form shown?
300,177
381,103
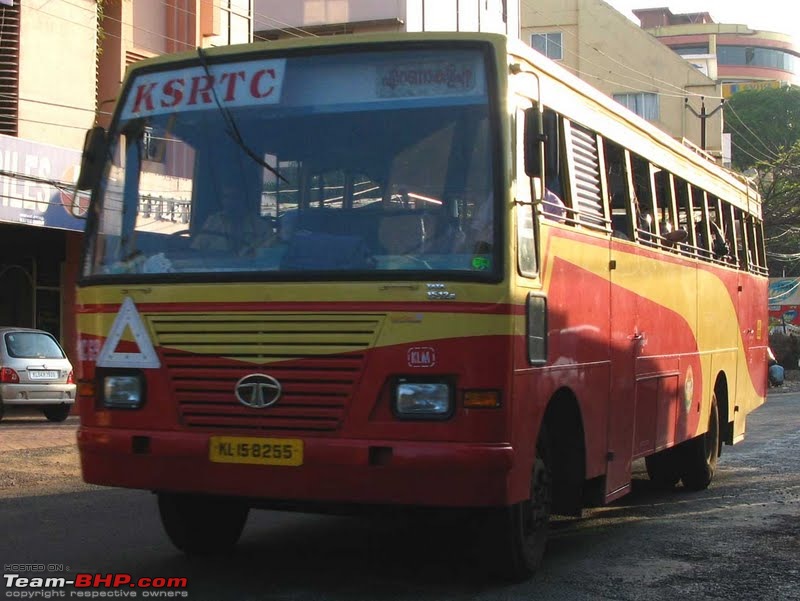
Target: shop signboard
37,183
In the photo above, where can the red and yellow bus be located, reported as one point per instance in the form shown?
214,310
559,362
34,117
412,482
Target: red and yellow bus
411,270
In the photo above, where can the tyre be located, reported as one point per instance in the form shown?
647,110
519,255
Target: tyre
56,413
664,468
2,410
701,454
524,526
202,525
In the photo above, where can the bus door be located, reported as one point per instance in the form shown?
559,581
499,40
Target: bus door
625,336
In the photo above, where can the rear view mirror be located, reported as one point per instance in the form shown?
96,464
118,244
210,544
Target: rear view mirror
92,159
532,144
541,130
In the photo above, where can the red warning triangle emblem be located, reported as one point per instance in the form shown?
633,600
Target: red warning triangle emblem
128,317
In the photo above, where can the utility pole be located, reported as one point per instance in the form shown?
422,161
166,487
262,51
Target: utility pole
703,115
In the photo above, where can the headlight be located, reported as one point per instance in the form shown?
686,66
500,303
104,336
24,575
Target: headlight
123,392
423,400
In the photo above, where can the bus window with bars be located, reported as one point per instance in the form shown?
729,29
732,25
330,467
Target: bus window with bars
584,161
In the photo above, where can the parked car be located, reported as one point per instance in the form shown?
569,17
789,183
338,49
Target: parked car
35,372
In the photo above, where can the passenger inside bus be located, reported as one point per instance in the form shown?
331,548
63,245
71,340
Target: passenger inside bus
553,207
230,229
481,227
719,246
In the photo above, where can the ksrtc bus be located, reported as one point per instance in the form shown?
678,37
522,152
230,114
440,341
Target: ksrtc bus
411,270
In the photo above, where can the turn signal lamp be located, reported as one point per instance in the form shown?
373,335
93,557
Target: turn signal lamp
481,399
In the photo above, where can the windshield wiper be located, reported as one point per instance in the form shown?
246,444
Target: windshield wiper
232,130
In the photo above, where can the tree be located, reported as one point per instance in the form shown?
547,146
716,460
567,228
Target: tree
765,139
763,124
779,185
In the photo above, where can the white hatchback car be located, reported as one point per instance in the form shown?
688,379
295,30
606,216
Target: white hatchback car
35,372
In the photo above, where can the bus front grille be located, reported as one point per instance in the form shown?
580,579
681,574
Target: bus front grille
318,360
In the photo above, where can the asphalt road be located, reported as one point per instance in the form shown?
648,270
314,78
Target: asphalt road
738,540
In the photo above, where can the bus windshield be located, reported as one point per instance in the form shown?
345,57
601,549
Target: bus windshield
339,163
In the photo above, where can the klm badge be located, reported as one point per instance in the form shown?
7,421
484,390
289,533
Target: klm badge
421,356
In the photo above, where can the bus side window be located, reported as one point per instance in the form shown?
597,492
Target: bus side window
685,216
742,254
555,191
668,229
643,200
730,232
700,223
621,222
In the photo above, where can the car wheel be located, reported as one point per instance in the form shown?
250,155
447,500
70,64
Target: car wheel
56,413
202,525
701,454
2,410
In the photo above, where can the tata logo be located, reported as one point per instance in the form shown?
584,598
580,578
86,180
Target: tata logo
258,391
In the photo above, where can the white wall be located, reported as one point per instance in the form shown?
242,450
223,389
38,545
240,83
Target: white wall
418,15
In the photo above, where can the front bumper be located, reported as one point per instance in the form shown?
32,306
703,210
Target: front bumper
333,470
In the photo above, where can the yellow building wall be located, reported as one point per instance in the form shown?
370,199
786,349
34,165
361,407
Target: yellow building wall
57,71
613,54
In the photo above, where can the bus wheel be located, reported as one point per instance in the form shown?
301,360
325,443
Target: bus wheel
202,525
664,468
701,454
525,525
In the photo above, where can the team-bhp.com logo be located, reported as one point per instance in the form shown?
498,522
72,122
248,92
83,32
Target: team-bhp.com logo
93,586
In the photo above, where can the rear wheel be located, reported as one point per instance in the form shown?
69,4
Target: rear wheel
664,468
701,454
202,525
523,527
56,413
2,410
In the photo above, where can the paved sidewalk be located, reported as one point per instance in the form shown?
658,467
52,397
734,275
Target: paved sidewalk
33,431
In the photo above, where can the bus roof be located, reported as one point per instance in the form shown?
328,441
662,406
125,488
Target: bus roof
506,47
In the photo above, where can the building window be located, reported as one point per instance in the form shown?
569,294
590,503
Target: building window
756,57
644,104
235,24
685,50
548,44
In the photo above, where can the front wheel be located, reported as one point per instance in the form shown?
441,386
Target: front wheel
701,454
524,526
202,525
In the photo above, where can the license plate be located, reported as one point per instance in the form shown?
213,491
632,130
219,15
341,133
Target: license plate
257,451
41,374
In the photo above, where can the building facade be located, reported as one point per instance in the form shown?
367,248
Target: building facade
47,101
743,57
61,65
604,48
275,19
